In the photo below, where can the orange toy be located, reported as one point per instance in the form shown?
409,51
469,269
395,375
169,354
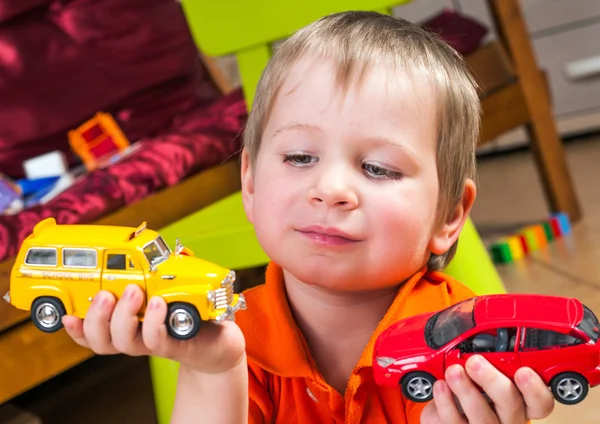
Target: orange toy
97,139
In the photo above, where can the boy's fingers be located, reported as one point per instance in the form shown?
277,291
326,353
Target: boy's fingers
507,400
539,401
125,324
154,331
96,325
74,328
475,406
445,406
429,415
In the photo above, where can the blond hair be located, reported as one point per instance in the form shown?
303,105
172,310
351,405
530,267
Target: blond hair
358,41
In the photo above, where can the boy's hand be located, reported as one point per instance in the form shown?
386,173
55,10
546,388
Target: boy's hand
510,404
112,327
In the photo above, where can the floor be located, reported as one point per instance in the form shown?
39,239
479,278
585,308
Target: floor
118,389
510,195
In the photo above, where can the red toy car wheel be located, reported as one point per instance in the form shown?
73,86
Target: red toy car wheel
569,388
418,386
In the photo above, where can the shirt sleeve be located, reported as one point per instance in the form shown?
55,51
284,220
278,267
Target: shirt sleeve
413,411
260,401
437,298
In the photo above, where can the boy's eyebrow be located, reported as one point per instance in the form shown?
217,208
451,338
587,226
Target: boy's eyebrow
297,127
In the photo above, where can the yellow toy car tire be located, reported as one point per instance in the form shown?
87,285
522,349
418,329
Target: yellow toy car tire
47,313
183,320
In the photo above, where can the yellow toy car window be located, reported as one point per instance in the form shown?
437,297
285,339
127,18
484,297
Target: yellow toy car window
38,256
80,258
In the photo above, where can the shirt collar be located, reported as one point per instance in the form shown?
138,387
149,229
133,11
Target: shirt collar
279,347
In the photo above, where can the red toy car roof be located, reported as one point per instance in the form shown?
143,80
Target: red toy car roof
528,309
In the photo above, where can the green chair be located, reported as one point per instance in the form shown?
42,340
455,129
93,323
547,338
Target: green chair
220,232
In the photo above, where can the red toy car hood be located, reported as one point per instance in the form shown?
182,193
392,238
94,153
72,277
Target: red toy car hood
403,338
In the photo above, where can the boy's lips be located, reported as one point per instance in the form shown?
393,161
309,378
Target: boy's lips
329,236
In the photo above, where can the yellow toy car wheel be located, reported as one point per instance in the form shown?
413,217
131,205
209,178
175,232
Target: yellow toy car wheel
47,313
183,321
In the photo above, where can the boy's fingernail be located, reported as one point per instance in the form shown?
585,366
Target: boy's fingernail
129,292
475,363
523,377
98,300
454,373
154,303
439,388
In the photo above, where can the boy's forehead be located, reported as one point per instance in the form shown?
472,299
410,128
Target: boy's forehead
387,106
312,78
329,73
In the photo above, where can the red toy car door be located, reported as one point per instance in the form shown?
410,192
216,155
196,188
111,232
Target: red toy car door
542,349
497,346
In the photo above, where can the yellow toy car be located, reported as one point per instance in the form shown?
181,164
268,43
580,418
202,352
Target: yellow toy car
59,269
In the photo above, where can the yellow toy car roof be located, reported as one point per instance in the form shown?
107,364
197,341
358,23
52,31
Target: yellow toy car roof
48,232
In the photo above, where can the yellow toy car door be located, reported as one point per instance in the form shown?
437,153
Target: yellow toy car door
120,269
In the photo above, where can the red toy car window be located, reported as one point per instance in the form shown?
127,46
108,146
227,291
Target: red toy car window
450,323
539,339
589,324
496,341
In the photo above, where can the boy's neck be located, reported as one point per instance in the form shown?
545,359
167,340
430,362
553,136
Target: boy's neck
337,326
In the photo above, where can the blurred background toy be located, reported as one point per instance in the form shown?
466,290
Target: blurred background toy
9,192
97,139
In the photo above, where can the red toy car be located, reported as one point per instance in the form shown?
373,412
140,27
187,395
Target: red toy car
555,336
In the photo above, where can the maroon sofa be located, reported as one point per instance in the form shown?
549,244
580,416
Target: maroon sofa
61,61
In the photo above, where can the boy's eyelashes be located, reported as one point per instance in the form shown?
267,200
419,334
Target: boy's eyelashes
300,159
371,169
380,172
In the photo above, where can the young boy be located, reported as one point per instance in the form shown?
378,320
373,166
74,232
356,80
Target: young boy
357,174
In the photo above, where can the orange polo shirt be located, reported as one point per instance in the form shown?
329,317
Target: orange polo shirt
284,384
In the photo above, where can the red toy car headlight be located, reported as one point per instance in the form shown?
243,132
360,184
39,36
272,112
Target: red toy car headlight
385,361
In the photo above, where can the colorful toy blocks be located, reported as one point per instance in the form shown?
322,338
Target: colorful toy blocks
563,224
507,249
530,239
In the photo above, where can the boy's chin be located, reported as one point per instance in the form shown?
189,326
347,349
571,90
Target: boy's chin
340,278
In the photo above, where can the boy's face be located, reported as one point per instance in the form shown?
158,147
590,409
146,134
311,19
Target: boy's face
344,190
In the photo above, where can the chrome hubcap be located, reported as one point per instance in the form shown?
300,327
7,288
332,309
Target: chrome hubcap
419,387
569,389
181,322
47,315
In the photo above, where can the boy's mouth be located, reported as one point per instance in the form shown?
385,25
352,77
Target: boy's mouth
327,235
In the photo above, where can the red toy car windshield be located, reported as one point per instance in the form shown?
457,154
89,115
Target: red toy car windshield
450,323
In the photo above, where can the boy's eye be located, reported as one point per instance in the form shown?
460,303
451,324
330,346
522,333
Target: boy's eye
379,172
300,159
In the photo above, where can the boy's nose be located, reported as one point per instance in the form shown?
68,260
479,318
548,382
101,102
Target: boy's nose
332,193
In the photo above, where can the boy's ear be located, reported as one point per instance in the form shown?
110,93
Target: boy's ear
247,175
448,233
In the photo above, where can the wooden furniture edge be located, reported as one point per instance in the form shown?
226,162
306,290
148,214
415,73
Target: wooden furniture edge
29,357
158,210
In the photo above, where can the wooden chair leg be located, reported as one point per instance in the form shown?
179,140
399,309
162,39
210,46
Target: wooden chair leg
546,144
